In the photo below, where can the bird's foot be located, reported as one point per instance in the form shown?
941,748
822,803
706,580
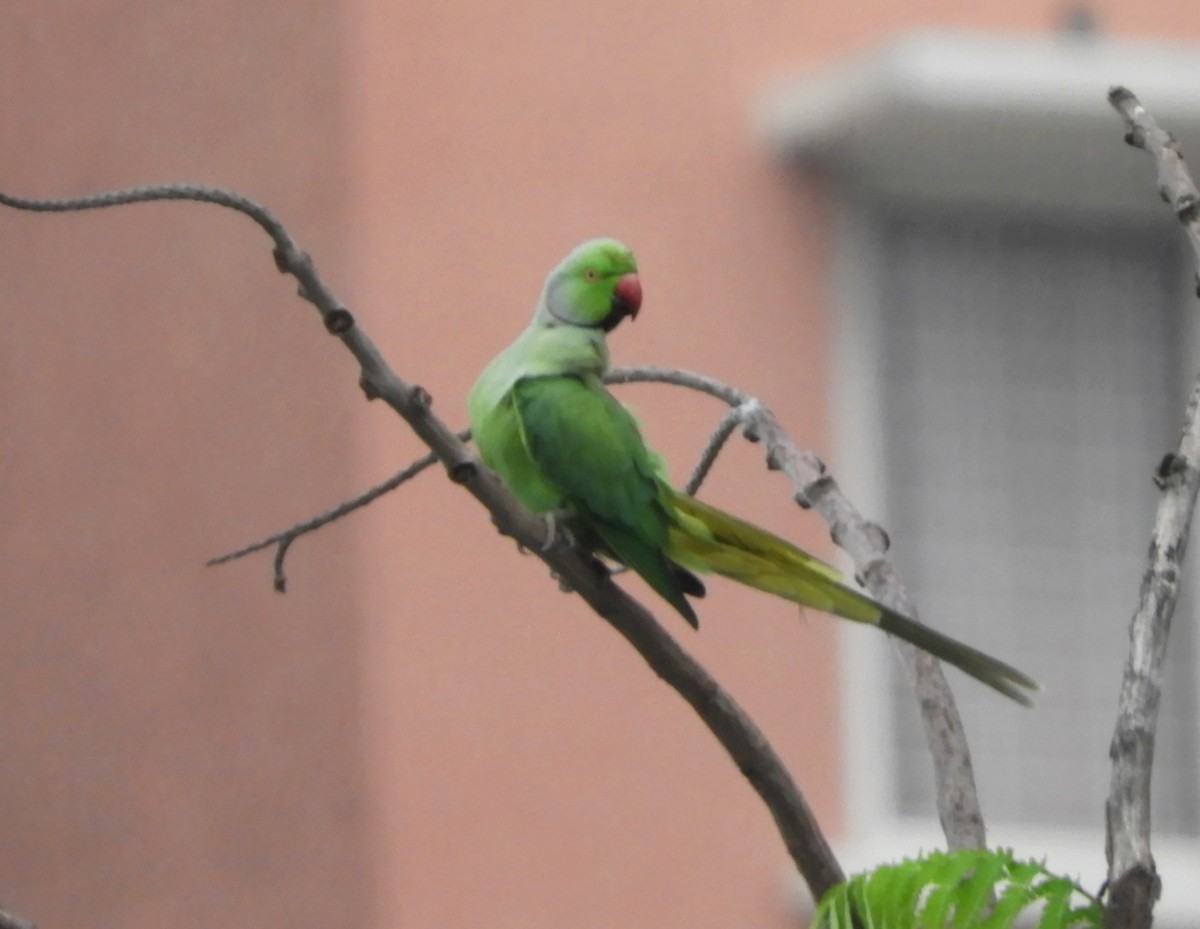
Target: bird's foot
556,528
556,525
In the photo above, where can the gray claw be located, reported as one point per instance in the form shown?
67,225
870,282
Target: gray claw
553,520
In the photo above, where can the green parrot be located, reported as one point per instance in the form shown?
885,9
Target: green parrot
544,421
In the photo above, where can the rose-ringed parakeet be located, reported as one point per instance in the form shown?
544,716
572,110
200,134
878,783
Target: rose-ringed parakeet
543,419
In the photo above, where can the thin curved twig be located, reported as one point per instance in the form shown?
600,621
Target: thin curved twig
866,543
283,539
1133,883
145,194
739,415
736,732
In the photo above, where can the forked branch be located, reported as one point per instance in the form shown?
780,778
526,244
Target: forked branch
284,539
736,732
867,544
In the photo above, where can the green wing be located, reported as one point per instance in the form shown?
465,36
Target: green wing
588,446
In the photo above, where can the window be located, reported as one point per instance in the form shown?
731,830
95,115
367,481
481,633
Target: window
1016,344
1027,376
1032,380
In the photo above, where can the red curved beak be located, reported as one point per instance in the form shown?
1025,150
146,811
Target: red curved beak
628,292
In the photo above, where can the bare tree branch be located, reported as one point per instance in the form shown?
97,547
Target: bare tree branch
1175,184
867,544
283,540
736,732
738,416
1133,884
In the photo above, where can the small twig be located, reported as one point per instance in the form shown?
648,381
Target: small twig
738,416
1133,883
866,543
286,537
183,191
279,581
1175,183
736,732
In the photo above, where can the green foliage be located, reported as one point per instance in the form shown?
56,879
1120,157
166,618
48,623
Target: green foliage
969,889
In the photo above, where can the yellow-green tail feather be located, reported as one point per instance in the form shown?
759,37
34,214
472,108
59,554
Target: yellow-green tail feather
703,538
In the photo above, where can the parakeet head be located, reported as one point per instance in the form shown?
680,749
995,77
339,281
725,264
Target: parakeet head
594,287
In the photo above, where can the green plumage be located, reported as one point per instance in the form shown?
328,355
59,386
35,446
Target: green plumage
589,448
544,421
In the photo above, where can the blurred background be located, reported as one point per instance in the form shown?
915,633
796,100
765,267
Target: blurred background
912,229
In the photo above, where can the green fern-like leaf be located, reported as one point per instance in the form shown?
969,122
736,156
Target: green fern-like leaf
969,889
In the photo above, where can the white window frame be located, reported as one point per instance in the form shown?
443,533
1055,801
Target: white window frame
874,830
975,122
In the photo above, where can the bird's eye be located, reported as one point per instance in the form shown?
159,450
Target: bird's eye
591,275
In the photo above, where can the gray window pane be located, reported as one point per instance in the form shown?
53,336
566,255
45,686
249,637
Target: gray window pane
1032,381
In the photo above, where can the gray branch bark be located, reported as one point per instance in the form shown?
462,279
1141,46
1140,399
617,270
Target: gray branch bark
867,544
1133,884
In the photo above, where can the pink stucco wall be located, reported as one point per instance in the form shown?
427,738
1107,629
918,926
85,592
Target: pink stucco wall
423,732
181,746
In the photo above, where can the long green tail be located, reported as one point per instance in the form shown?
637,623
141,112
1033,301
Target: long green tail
707,539
984,668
